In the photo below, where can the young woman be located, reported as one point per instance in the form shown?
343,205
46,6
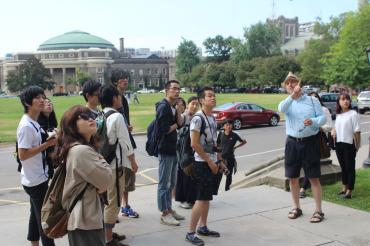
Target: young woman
346,134
185,190
325,128
85,169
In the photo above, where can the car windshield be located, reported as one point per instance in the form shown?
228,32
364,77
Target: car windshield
365,94
224,106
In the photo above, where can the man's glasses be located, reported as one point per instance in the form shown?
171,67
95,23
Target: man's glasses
175,88
86,116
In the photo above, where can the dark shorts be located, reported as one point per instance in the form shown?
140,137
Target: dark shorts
302,153
204,180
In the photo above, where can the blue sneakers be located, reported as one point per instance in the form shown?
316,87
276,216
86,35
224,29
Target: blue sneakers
204,231
127,211
194,239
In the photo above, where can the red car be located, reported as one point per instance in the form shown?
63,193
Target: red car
244,114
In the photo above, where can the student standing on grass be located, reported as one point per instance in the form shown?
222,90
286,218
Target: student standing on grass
31,151
120,78
347,137
304,116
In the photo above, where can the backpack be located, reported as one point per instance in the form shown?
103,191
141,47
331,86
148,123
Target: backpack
184,151
54,218
154,137
107,150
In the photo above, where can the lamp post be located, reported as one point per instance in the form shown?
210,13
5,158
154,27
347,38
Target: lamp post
366,163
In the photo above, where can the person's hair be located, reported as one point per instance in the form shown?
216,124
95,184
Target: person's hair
68,134
117,75
182,100
192,98
338,108
107,92
168,84
315,94
202,92
52,119
90,87
28,94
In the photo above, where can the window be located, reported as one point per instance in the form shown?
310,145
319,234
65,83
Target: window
133,71
51,56
242,107
71,55
99,70
141,71
100,79
164,71
255,107
148,70
156,71
61,55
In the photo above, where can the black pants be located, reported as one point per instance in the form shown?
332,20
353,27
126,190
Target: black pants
37,194
230,164
346,154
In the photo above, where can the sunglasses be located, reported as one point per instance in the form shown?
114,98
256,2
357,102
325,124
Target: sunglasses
86,116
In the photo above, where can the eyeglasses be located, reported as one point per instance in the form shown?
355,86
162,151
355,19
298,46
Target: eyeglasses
175,88
86,116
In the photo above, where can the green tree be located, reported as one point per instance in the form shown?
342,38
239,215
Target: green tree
32,72
218,48
346,63
187,57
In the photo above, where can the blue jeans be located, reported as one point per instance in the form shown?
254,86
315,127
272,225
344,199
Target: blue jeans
167,175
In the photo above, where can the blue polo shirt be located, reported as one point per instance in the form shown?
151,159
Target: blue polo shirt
296,111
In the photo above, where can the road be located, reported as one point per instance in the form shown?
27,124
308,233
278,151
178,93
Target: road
263,144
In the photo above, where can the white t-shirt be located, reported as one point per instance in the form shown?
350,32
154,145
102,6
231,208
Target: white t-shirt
207,140
346,124
29,137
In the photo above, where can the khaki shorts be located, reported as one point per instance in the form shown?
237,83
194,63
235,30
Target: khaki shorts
129,179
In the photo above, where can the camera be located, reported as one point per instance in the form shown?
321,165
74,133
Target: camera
215,149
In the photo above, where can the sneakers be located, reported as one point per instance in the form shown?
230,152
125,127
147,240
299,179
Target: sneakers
204,231
115,242
169,220
118,236
127,211
176,216
186,205
194,239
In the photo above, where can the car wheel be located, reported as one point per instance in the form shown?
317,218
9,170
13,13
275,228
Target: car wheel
274,120
237,124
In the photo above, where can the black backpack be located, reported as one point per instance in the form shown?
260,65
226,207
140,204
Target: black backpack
107,150
184,151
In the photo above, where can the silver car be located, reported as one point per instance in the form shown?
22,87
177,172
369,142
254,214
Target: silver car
363,101
329,100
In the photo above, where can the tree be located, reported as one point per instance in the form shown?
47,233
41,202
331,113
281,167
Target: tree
187,57
346,63
219,48
32,72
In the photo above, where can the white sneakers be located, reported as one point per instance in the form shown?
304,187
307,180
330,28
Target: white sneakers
169,220
177,216
186,205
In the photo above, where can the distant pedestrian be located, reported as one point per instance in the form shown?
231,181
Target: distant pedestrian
136,99
304,117
185,187
31,151
226,142
325,129
347,137
86,171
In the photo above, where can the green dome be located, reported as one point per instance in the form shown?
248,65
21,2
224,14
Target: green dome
75,40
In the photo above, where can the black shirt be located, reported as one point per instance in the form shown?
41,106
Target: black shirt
226,143
125,111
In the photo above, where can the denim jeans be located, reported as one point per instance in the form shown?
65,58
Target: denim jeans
167,175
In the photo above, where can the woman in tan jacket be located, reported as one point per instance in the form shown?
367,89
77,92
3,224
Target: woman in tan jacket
76,148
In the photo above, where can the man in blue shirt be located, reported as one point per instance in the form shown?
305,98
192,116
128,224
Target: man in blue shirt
304,116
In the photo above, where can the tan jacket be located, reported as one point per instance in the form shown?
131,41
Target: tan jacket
85,165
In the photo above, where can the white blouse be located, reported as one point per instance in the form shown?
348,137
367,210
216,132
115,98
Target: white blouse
346,124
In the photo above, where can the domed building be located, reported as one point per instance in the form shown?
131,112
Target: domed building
67,54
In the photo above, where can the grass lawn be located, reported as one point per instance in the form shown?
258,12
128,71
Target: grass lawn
141,114
360,196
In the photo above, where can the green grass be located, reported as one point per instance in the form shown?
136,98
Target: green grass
360,196
141,114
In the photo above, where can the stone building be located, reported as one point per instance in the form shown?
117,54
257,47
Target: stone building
74,51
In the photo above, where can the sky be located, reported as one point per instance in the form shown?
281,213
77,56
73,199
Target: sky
160,24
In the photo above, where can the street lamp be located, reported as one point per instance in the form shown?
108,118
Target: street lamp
366,163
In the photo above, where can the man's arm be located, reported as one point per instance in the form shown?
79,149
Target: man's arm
25,154
284,105
164,120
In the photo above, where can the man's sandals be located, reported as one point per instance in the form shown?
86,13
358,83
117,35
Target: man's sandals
317,217
295,213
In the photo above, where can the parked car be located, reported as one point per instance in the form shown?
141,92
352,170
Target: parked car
363,101
330,101
310,88
146,91
243,114
270,89
57,94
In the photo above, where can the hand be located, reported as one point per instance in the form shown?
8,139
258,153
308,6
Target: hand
51,142
134,167
297,91
333,133
130,128
213,167
307,122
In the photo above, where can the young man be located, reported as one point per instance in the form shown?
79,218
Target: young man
205,166
34,172
226,141
304,116
169,120
125,159
120,79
